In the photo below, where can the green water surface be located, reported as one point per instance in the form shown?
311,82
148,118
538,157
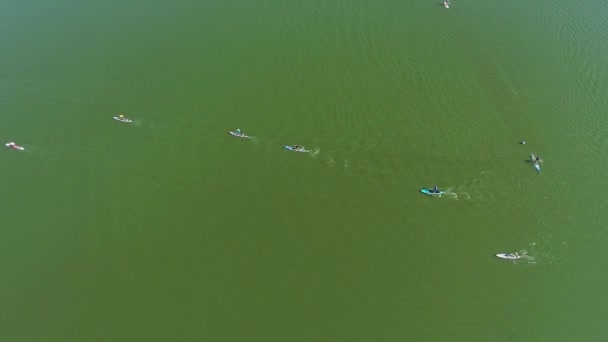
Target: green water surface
169,229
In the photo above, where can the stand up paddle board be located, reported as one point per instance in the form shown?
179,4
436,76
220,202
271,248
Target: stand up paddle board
14,146
125,120
535,162
510,256
237,134
431,192
291,148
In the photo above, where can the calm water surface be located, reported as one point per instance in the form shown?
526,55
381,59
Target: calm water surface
168,229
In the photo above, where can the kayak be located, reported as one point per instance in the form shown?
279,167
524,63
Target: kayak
237,134
431,192
509,256
535,162
14,146
291,148
125,120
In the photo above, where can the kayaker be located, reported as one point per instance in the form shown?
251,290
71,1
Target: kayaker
435,190
238,130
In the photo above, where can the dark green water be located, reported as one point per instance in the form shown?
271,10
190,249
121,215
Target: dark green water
168,229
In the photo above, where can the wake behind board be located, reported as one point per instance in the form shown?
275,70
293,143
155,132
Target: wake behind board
509,256
431,192
125,120
291,148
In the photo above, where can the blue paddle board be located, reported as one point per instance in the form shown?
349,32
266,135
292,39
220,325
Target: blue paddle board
430,192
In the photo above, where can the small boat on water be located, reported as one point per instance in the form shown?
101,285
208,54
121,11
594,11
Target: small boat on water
446,4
